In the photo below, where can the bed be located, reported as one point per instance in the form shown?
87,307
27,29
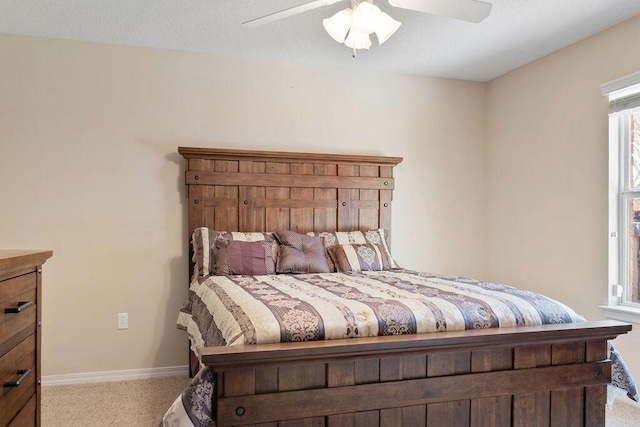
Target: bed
423,373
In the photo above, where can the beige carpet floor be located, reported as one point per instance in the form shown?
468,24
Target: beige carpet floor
142,403
623,415
138,403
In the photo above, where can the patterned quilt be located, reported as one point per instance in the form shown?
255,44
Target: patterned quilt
238,310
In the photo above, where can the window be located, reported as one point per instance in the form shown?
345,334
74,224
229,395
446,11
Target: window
628,124
624,198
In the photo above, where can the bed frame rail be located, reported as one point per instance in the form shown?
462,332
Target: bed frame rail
546,375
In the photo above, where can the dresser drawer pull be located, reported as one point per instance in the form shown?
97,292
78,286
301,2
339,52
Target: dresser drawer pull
24,373
21,306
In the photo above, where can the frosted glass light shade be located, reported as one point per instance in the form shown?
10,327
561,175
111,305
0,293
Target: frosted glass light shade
353,26
338,25
365,18
386,27
358,40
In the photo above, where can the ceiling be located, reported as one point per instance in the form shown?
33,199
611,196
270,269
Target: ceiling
516,32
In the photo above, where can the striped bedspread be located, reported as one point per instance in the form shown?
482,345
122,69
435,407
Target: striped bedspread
236,310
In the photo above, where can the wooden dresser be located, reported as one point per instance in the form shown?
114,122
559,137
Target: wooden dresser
20,337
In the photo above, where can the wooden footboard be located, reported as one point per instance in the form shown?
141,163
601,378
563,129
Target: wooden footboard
551,375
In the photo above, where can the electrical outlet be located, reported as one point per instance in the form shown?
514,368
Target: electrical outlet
123,320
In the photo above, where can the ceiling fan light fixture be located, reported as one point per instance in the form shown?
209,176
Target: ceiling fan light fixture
353,26
386,27
358,40
365,18
338,25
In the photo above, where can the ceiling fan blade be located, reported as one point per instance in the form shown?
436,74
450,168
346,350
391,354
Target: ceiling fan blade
289,12
466,10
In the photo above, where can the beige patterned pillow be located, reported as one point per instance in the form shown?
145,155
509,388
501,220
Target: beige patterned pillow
359,257
205,250
300,254
374,237
203,241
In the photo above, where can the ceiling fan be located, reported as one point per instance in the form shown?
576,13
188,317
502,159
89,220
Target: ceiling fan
466,10
352,26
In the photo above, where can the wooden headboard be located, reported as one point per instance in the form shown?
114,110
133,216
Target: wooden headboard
243,190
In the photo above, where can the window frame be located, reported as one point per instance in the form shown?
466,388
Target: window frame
623,101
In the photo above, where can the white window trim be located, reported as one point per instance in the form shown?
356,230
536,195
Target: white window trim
617,90
622,313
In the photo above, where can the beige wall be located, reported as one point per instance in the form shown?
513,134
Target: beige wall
89,168
505,181
547,177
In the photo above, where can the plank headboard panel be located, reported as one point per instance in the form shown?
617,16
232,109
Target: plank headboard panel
243,190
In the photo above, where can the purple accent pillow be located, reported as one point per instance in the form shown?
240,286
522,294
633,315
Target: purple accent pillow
248,258
299,253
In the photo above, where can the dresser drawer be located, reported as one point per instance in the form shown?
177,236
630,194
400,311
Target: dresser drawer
27,416
17,285
13,369
17,310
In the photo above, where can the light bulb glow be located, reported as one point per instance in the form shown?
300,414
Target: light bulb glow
338,25
387,26
366,17
358,40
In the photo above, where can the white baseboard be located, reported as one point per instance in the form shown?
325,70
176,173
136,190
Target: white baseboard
125,375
